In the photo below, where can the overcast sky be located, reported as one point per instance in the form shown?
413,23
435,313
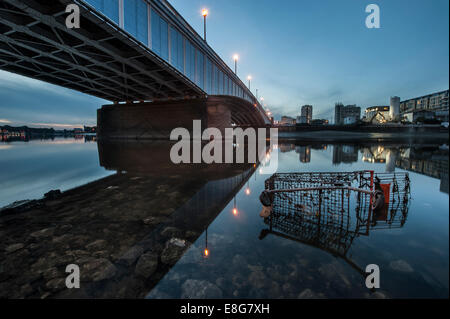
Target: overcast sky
298,52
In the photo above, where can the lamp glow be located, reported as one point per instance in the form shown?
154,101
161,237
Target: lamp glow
204,12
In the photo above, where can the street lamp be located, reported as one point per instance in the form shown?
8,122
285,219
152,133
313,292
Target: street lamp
235,58
204,14
249,78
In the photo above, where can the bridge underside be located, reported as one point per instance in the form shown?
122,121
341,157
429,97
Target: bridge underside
99,59
155,120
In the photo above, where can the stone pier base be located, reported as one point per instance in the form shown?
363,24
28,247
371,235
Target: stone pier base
155,120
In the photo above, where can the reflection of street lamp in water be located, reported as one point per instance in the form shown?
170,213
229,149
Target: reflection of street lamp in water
206,251
247,190
235,211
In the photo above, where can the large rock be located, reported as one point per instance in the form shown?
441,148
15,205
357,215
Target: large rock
171,232
97,245
56,284
131,256
92,269
307,294
147,265
14,247
43,233
200,289
173,251
155,220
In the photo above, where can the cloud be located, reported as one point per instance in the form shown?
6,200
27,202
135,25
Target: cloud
4,121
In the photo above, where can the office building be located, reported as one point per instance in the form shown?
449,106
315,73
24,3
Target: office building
287,120
377,114
435,104
345,115
306,115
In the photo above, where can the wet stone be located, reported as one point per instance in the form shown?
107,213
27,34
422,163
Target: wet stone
173,251
26,290
167,211
51,273
99,244
307,294
147,265
131,256
56,284
14,247
171,232
96,269
200,289
43,233
155,220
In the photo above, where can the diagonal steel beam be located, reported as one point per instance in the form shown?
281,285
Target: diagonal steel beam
34,60
78,67
83,36
41,37
50,75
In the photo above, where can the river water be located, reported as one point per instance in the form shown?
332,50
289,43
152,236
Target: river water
412,254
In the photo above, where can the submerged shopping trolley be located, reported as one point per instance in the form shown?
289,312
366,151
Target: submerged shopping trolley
329,210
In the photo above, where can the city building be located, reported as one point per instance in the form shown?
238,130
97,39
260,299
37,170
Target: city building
377,114
306,115
394,109
287,120
90,129
304,153
344,154
345,115
436,103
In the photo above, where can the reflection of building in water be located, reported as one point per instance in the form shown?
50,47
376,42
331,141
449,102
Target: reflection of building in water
344,154
286,147
305,153
320,147
374,154
429,162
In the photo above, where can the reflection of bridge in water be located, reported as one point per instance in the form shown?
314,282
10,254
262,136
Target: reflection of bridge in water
110,226
211,187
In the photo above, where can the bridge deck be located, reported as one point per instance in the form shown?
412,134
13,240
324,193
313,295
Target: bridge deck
104,57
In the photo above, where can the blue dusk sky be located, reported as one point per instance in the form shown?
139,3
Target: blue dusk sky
297,51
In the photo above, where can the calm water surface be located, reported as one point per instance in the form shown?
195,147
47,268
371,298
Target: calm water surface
30,169
413,257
